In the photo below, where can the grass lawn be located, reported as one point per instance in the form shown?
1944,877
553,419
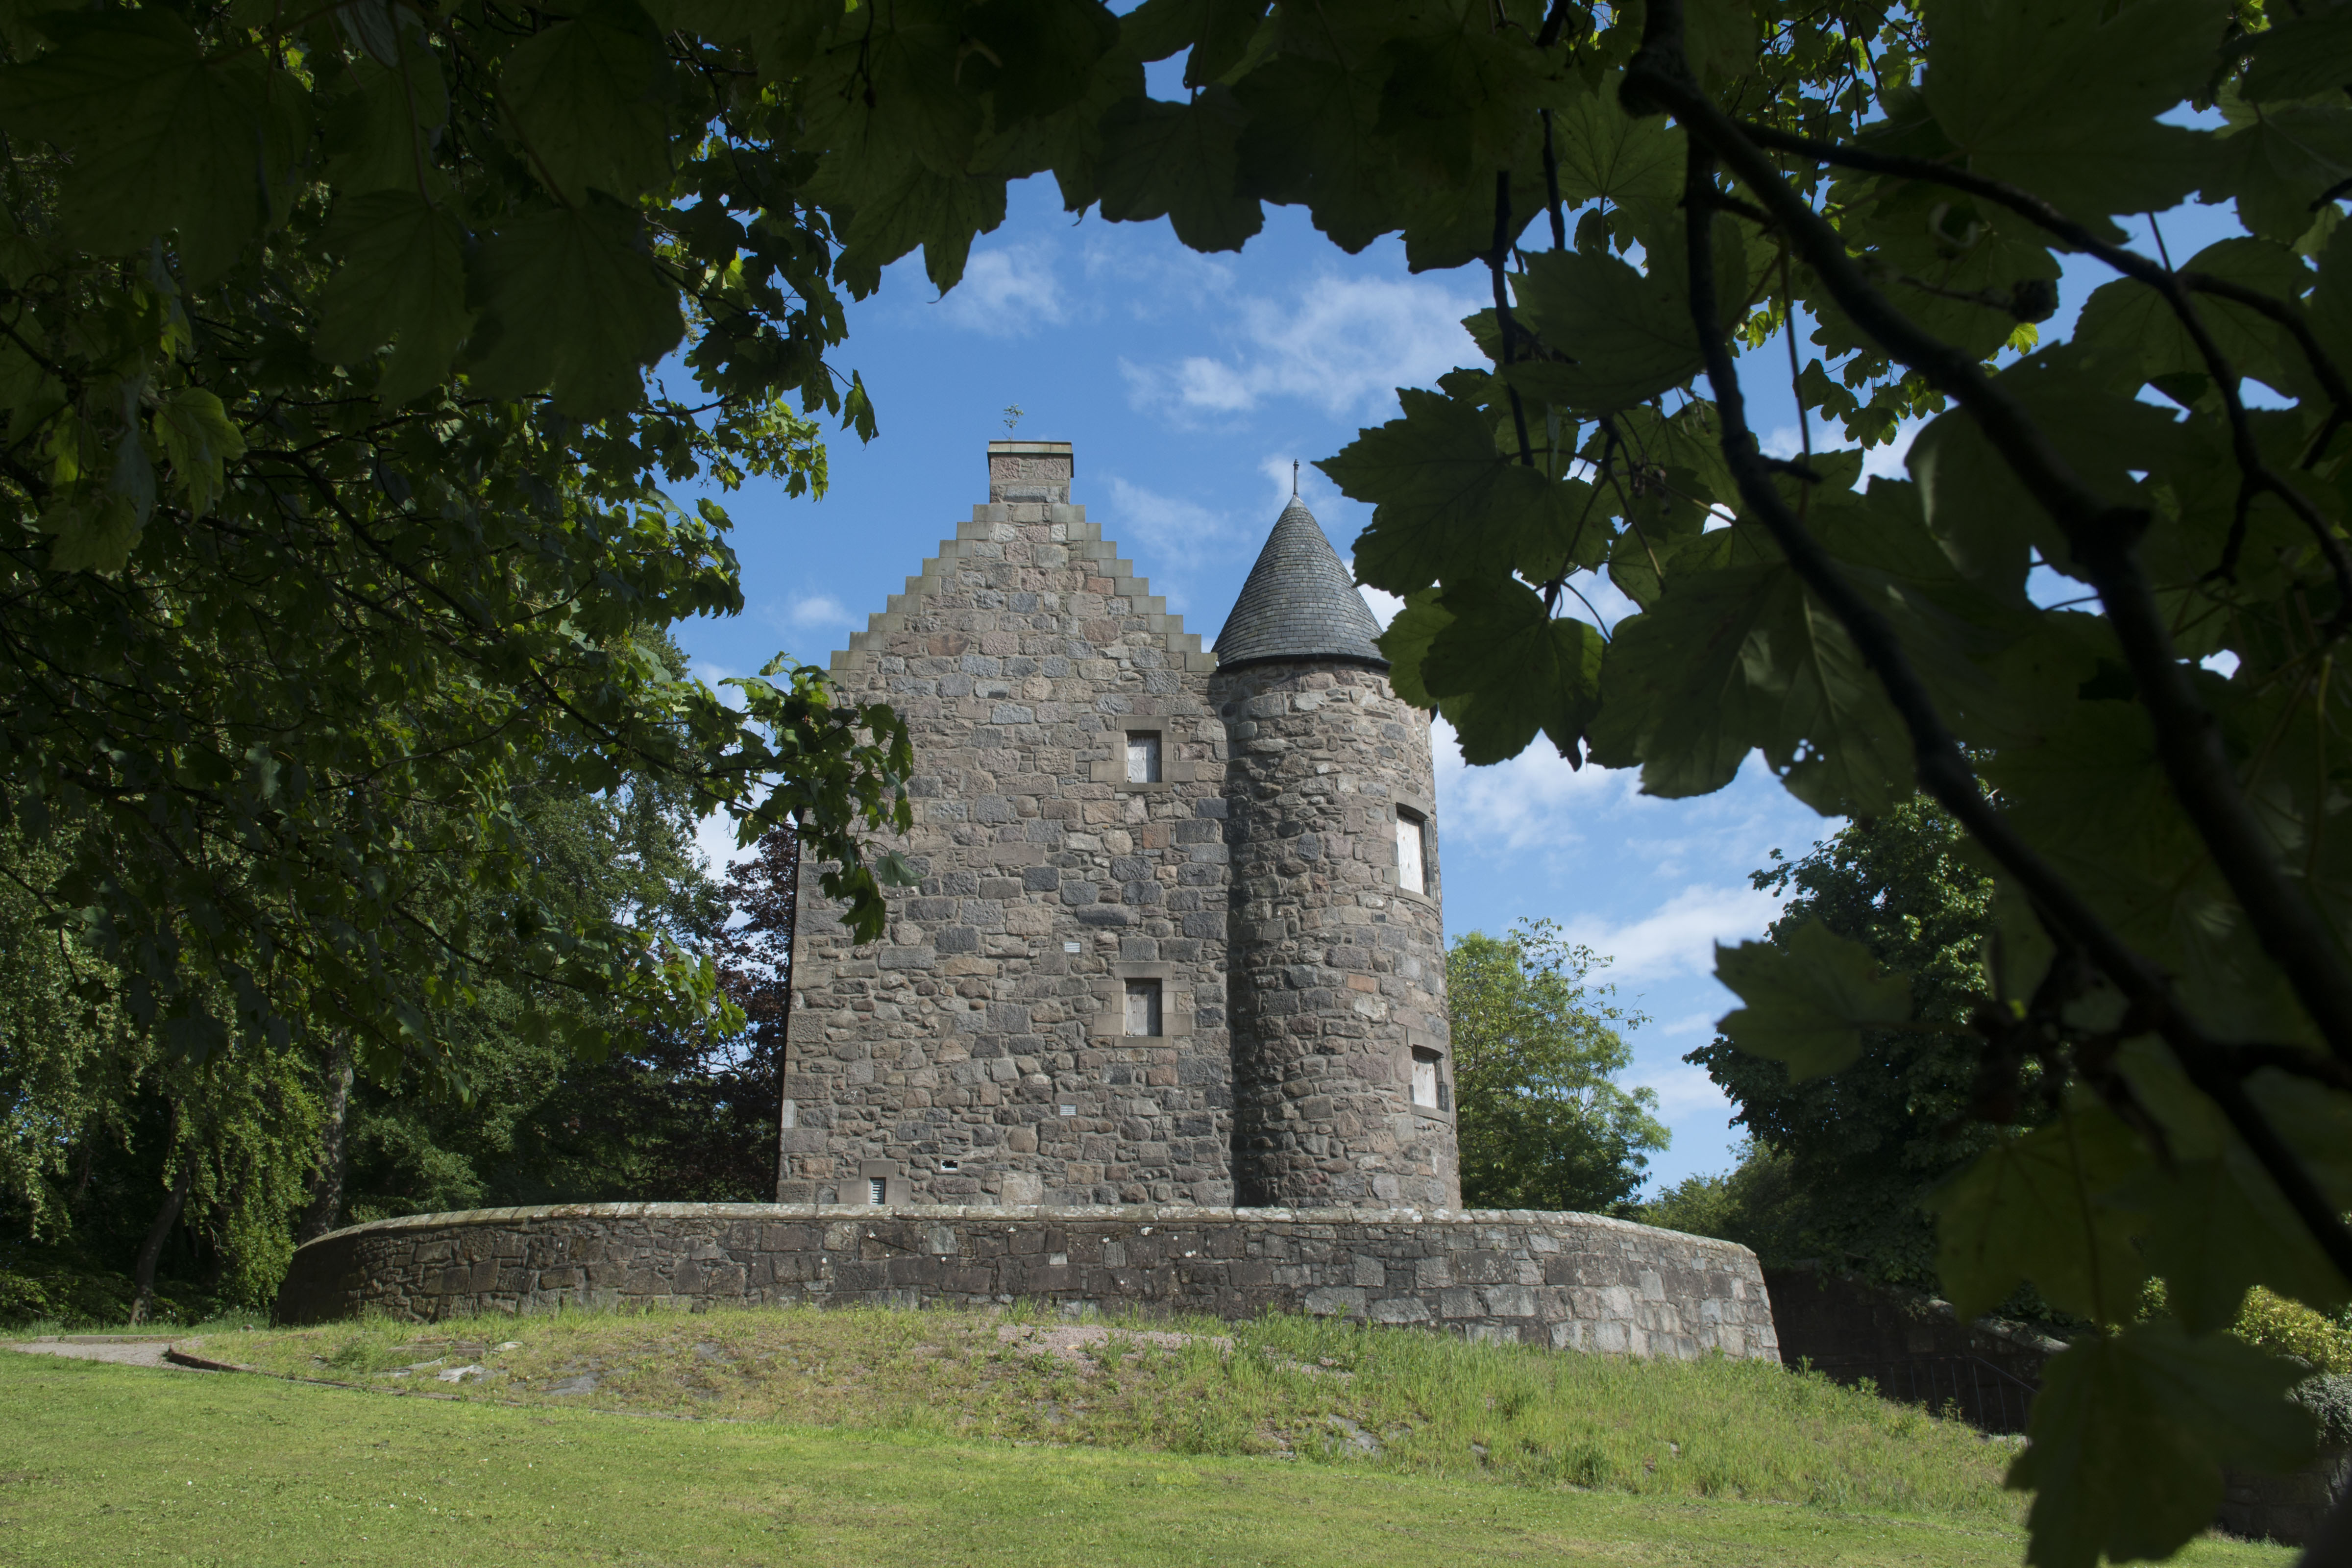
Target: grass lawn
872,1438
112,1465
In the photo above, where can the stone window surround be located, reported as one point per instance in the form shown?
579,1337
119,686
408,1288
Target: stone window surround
1430,879
1109,1022
1422,1039
895,1188
1112,771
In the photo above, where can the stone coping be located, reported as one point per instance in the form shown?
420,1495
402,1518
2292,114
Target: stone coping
1034,1213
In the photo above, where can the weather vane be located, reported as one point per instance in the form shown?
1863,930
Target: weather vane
1013,412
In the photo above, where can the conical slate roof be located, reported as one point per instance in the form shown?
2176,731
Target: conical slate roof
1300,602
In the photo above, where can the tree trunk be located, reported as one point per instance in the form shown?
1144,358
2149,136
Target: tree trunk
334,1157
157,1234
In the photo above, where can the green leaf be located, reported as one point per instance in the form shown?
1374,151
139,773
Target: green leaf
1406,644
2041,1207
94,532
1809,1001
1176,160
1734,655
2062,99
584,96
1045,54
1308,139
2129,1432
2143,330
1456,103
2277,165
161,139
2300,57
198,437
1606,154
571,303
1630,332
402,281
1218,33
1719,39
897,93
1623,336
941,212
1975,504
2218,1227
1445,498
1519,670
381,131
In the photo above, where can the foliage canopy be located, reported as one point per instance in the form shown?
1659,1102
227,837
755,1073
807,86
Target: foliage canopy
1536,1053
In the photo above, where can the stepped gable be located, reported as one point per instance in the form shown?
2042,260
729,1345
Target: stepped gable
1031,474
1300,602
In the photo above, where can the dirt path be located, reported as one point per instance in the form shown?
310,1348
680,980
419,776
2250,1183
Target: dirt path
124,1350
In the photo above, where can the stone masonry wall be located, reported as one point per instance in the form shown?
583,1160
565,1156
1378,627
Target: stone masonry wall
1566,1280
978,1052
1338,973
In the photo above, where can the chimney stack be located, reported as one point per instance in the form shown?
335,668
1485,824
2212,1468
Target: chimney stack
1030,471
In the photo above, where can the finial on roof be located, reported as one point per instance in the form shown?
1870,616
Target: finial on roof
1300,602
1294,478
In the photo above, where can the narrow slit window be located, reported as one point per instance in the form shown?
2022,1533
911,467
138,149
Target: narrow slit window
1427,1086
877,1189
1143,756
1143,1007
1412,844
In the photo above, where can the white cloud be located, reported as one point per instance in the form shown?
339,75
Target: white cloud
1679,936
1685,1091
1884,462
1340,344
1533,801
1007,290
1151,274
813,611
1171,537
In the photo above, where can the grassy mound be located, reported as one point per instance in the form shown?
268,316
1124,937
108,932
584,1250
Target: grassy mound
1312,1390
107,1466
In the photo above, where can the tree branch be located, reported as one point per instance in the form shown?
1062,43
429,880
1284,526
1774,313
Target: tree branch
2176,288
2103,537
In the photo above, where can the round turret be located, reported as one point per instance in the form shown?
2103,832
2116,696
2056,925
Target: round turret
1343,1092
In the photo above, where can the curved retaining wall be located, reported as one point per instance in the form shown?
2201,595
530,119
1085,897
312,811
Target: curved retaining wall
1568,1280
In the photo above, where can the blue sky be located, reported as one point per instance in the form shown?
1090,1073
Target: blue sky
1188,384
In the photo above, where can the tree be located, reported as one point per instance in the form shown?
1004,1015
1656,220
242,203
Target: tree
1543,1124
388,566
331,465
1856,1153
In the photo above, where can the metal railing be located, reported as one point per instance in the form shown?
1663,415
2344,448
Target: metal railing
1984,1394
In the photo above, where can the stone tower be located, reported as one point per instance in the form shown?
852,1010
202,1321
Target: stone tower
1342,1074
1113,830
1043,1022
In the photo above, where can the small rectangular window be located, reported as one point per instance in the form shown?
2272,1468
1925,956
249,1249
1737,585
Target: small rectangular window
1425,1085
1143,756
1143,1007
1412,857
877,1189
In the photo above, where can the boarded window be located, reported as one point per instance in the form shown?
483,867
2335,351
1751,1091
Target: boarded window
1427,1088
877,1190
1413,836
1143,1007
1143,759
